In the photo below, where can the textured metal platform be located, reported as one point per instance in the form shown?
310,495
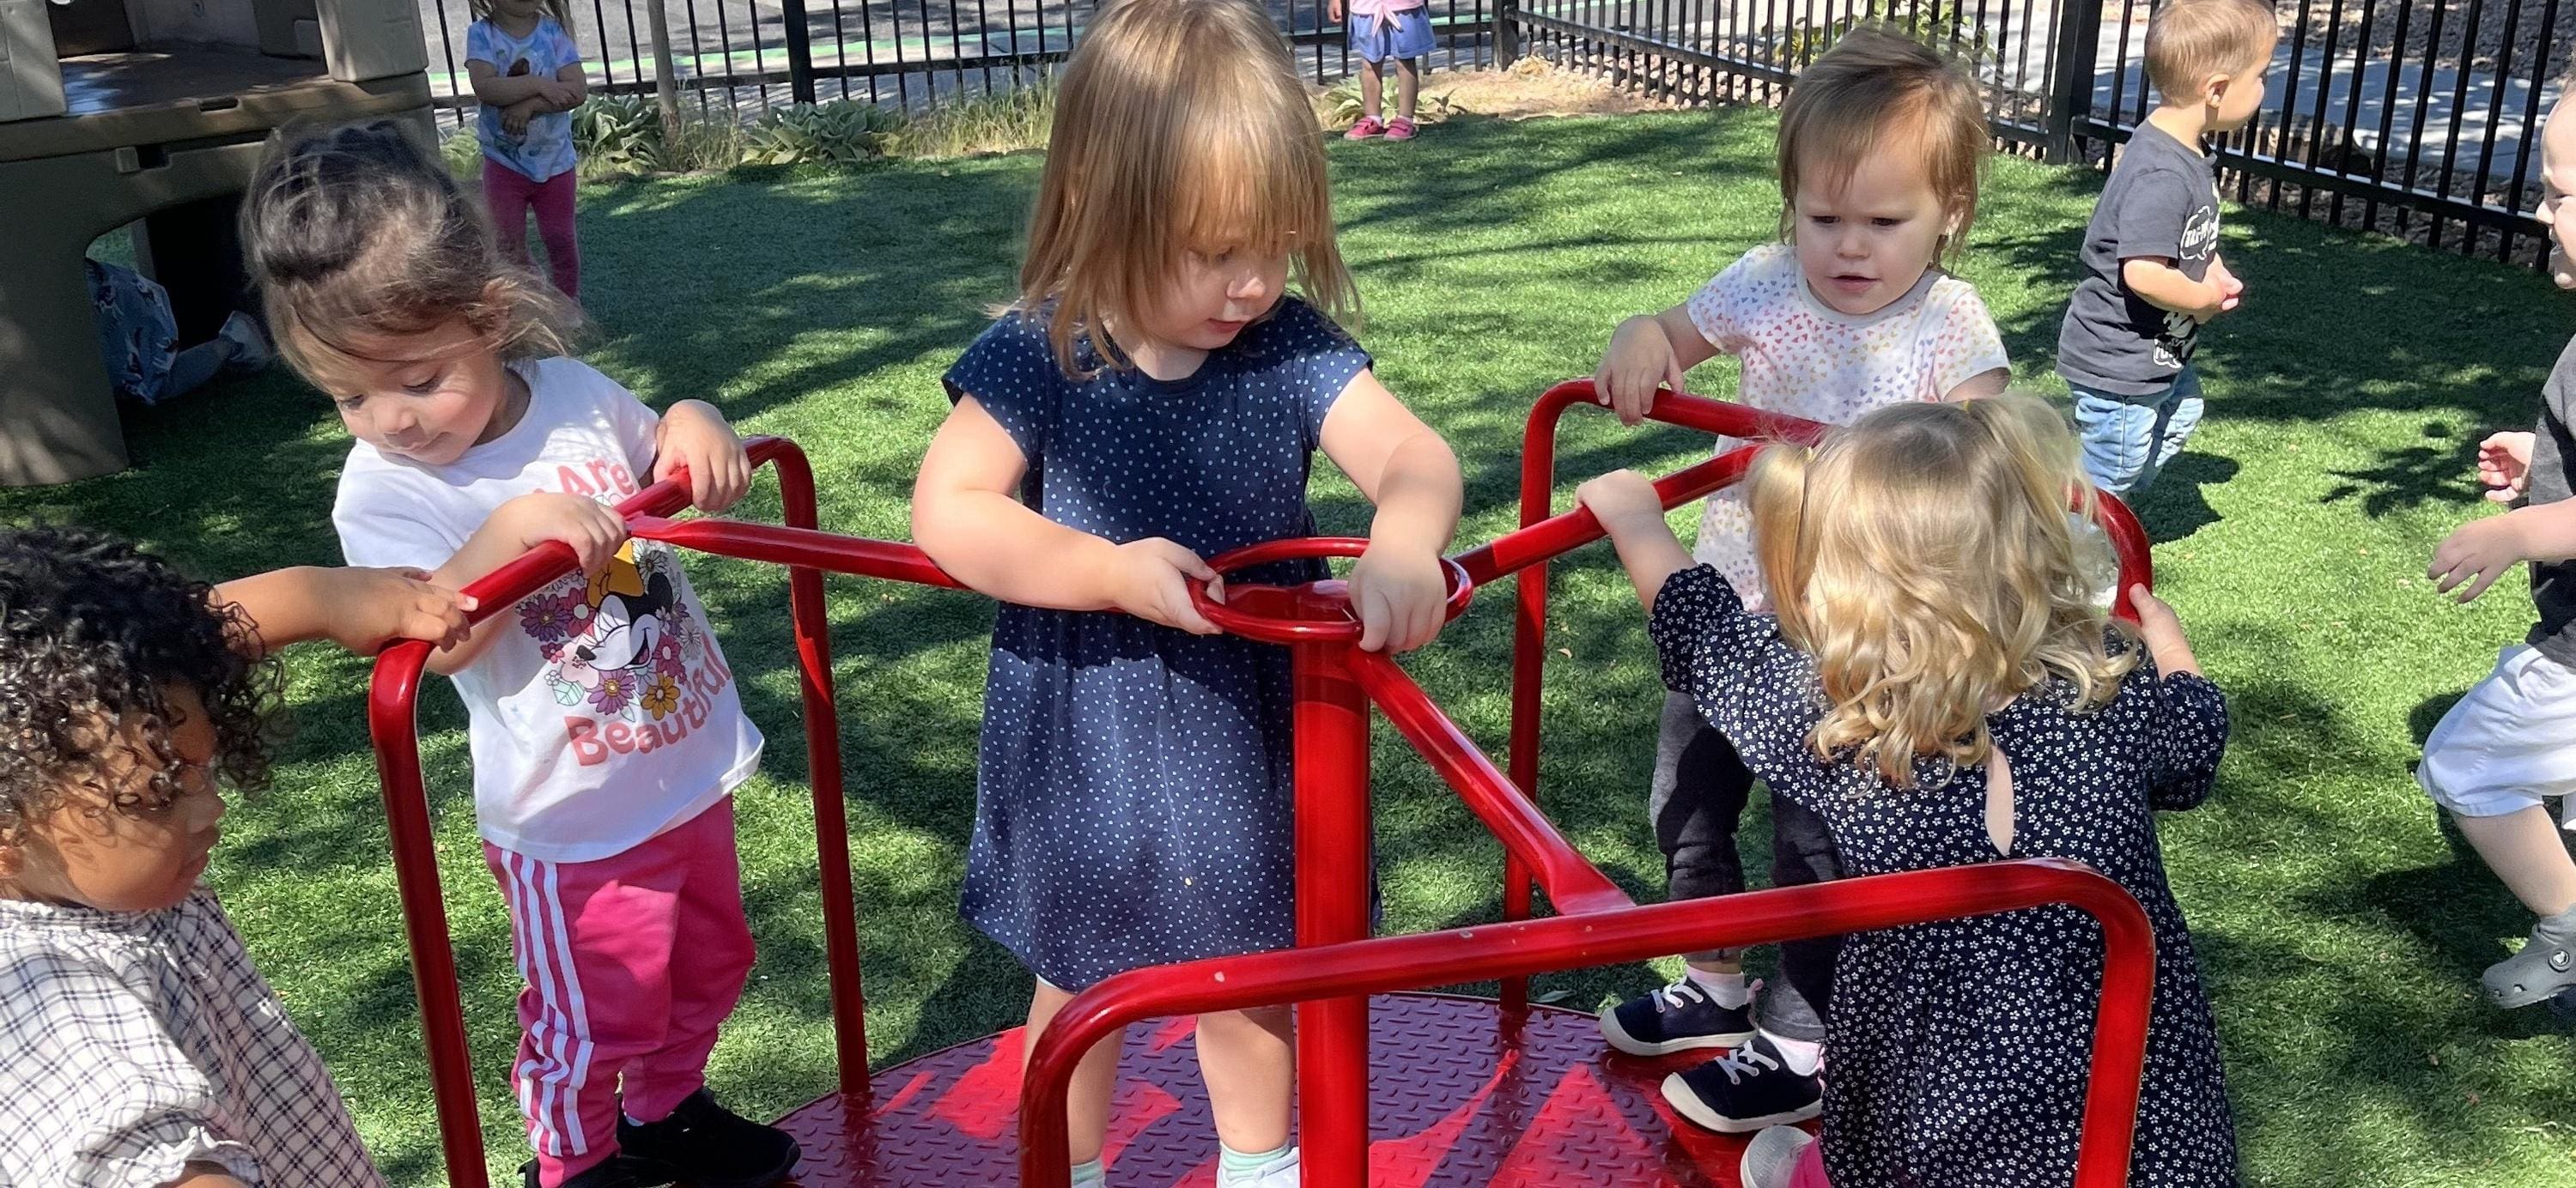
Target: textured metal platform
1461,1098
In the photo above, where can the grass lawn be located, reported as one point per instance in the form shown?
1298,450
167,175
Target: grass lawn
2341,926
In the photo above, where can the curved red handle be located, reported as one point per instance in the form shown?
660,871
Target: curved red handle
1272,628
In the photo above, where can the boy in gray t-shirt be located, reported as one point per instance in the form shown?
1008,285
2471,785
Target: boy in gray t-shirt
2510,744
2152,272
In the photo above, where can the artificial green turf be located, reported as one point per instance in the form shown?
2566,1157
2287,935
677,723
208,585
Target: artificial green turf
2341,929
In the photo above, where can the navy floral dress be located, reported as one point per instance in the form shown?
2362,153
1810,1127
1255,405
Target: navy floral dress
1132,793
1957,1051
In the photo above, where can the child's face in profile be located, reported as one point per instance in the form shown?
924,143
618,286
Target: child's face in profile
427,397
1864,245
2557,183
2243,93
88,853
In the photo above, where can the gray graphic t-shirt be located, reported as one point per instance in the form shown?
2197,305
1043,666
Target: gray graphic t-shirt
2162,202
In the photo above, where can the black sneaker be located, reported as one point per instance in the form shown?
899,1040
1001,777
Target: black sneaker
710,1146
617,1171
1676,1018
1745,1090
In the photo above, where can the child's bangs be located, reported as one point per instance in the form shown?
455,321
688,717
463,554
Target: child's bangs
1249,188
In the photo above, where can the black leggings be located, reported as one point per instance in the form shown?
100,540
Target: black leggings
1697,799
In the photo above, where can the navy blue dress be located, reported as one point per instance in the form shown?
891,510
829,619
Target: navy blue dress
1132,792
1956,1051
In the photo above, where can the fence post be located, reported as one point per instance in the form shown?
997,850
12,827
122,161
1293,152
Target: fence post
1506,43
800,51
2070,86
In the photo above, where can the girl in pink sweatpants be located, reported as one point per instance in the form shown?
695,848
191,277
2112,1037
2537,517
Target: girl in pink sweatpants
528,76
607,732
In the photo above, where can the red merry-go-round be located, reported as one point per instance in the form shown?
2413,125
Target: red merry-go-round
1395,1086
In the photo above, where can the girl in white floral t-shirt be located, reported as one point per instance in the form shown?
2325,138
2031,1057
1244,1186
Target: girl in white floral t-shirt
1881,143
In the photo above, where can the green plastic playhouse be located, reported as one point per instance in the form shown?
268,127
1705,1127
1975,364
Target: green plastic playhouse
153,112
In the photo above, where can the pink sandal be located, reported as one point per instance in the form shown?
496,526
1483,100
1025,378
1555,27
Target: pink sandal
1401,129
1367,127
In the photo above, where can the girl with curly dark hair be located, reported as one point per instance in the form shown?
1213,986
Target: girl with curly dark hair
128,693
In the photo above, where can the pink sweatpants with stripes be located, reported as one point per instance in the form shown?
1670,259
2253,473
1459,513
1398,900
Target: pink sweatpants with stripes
513,197
607,1002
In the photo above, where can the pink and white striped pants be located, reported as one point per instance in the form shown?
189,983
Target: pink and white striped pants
607,999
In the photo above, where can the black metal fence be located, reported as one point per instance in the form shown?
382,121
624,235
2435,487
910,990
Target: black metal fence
742,57
2419,118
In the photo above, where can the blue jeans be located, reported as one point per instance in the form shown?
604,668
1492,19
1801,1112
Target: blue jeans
2128,440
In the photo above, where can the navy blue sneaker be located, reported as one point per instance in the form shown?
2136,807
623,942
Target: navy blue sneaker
707,1145
1745,1090
1677,1018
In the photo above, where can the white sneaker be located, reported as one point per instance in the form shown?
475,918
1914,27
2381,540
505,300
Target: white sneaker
1772,1157
1278,1173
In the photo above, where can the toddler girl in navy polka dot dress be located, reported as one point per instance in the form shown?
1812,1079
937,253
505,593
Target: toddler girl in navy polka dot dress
1932,539
1152,400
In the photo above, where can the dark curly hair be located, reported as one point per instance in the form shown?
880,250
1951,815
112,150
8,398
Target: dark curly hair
93,631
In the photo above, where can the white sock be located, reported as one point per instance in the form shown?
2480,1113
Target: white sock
1802,1056
1245,1167
1725,989
1089,1175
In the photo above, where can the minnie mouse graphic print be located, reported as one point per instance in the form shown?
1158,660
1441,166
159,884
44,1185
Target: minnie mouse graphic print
605,713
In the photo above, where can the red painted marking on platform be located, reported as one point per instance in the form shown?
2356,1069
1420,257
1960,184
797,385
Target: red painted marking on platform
1170,1032
1138,1107
903,1097
1409,1162
970,1104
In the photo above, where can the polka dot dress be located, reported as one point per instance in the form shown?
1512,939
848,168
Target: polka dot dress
1132,798
1957,1051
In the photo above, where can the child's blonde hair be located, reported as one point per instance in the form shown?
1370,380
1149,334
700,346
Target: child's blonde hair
2190,40
1924,556
1878,90
1180,125
353,229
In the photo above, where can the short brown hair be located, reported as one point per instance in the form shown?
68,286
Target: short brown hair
1877,87
354,229
1178,123
2189,40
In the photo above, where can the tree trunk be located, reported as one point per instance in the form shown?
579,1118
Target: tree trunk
666,85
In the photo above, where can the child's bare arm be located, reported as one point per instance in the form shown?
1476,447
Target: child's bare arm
573,86
965,517
2166,287
1981,385
1633,515
1412,476
359,609
1646,352
503,90
592,531
2479,552
206,1175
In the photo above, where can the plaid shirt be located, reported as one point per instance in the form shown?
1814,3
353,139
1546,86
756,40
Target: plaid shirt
139,1042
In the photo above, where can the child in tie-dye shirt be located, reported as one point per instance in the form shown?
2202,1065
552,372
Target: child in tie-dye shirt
1881,142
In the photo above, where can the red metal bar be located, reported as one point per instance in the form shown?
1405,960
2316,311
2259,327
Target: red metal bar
1542,536
393,725
797,545
1334,856
1389,964
813,628
1572,884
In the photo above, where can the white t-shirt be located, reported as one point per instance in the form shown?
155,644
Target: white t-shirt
605,713
1807,359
